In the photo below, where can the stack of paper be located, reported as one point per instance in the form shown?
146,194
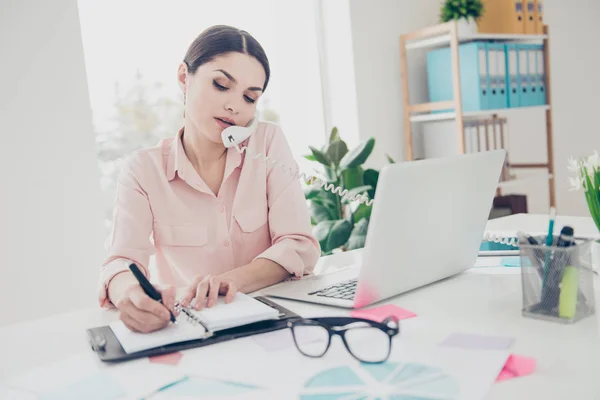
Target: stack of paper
242,310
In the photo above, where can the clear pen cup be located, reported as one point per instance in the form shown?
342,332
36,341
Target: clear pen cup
557,282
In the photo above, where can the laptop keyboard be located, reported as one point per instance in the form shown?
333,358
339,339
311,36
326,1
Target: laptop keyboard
342,290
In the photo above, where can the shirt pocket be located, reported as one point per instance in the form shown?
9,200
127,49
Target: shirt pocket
254,233
180,235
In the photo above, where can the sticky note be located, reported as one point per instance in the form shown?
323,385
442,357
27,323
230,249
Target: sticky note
516,366
167,359
476,341
380,313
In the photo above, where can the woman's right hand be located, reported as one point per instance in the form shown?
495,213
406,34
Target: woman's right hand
139,312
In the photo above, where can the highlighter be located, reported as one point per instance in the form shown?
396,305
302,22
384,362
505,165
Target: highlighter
569,287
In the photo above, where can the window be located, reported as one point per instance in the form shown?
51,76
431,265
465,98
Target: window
133,48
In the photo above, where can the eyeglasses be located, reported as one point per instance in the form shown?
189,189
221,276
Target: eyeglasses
367,341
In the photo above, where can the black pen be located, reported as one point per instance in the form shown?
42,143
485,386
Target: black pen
147,286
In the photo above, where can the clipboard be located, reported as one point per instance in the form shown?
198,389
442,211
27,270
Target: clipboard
106,345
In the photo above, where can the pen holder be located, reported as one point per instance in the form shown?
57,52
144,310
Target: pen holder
558,282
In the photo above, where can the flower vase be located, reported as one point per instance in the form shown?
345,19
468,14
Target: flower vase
466,28
596,255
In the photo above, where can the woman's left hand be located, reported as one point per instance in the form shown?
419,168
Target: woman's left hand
204,291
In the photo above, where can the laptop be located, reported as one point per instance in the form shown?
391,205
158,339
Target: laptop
427,223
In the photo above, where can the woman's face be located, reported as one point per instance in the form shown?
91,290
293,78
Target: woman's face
222,92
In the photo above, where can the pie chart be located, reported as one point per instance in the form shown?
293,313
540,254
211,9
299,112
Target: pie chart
389,381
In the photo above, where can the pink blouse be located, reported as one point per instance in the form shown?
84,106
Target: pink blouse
163,207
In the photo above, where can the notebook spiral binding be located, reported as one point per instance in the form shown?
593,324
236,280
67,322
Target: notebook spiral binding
509,241
191,317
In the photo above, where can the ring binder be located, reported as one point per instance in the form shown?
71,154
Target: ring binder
108,349
191,318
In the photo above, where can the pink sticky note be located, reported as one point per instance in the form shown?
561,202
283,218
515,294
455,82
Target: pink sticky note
167,359
382,312
516,366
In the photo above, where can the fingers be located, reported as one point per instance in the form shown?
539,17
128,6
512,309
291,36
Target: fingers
213,293
131,323
201,292
144,303
168,297
191,292
230,291
138,320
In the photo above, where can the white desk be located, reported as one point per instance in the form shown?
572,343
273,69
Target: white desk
568,356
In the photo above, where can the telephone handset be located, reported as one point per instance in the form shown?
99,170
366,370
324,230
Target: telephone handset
234,135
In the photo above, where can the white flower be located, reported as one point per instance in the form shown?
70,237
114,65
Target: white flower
573,165
575,184
593,163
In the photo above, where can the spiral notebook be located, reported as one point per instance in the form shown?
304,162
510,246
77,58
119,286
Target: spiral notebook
193,325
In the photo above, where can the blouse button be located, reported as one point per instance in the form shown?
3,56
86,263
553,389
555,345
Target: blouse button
226,243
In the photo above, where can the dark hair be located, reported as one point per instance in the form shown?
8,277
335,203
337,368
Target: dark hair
221,39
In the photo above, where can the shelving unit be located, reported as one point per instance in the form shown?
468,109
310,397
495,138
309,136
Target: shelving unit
448,34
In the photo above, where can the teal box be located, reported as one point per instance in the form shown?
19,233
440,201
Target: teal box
473,64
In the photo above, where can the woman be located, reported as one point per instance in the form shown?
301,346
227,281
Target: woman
220,222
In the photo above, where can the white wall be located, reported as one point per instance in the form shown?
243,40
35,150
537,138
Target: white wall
339,83
375,29
50,225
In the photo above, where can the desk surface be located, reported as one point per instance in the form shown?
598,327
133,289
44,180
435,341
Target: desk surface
476,301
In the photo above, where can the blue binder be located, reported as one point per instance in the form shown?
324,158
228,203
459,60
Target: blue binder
474,77
497,75
541,75
513,76
528,74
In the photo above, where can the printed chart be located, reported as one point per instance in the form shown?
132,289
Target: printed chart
393,381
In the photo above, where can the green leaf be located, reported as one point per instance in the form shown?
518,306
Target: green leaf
336,151
331,175
334,136
352,177
320,213
320,156
358,155
358,236
332,234
362,211
371,177
311,192
326,199
310,157
390,159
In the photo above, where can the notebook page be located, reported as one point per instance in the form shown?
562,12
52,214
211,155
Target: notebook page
172,333
242,310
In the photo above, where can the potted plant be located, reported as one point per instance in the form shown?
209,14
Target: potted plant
464,12
587,178
340,223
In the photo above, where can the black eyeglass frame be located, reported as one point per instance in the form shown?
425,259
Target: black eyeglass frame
333,326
